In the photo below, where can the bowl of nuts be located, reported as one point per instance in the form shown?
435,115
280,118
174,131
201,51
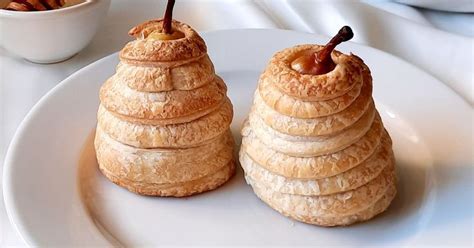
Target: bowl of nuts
49,31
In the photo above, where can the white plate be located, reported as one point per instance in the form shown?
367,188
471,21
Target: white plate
55,195
462,6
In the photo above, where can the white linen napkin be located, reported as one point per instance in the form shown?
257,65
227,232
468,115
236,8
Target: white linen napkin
395,28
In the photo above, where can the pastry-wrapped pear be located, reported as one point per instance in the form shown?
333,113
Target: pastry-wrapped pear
164,117
314,147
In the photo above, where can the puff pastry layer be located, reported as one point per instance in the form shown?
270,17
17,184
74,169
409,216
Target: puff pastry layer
314,147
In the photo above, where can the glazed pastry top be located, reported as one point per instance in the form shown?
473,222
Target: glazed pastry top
349,71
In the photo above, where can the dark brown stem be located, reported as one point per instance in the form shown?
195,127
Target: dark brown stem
324,56
167,19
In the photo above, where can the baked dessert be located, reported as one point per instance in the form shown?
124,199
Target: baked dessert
163,122
314,146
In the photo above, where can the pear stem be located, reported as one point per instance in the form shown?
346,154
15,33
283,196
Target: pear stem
167,19
323,56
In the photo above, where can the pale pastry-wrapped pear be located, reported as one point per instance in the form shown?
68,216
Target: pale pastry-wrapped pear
163,122
314,147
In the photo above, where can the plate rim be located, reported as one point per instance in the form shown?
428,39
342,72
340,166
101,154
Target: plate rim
10,206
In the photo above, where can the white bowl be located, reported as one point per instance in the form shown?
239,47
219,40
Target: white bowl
54,35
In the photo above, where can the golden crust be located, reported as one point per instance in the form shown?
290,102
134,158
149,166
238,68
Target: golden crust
181,135
314,167
298,108
348,180
333,205
309,146
181,189
155,167
148,51
167,106
163,165
370,212
348,72
179,75
314,147
315,126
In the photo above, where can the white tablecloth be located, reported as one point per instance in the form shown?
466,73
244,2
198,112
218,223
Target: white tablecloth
439,42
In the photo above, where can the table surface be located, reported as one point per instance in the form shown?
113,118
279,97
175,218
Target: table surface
23,83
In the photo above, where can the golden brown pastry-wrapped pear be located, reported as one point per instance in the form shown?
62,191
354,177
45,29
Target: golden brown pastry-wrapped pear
164,117
314,147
